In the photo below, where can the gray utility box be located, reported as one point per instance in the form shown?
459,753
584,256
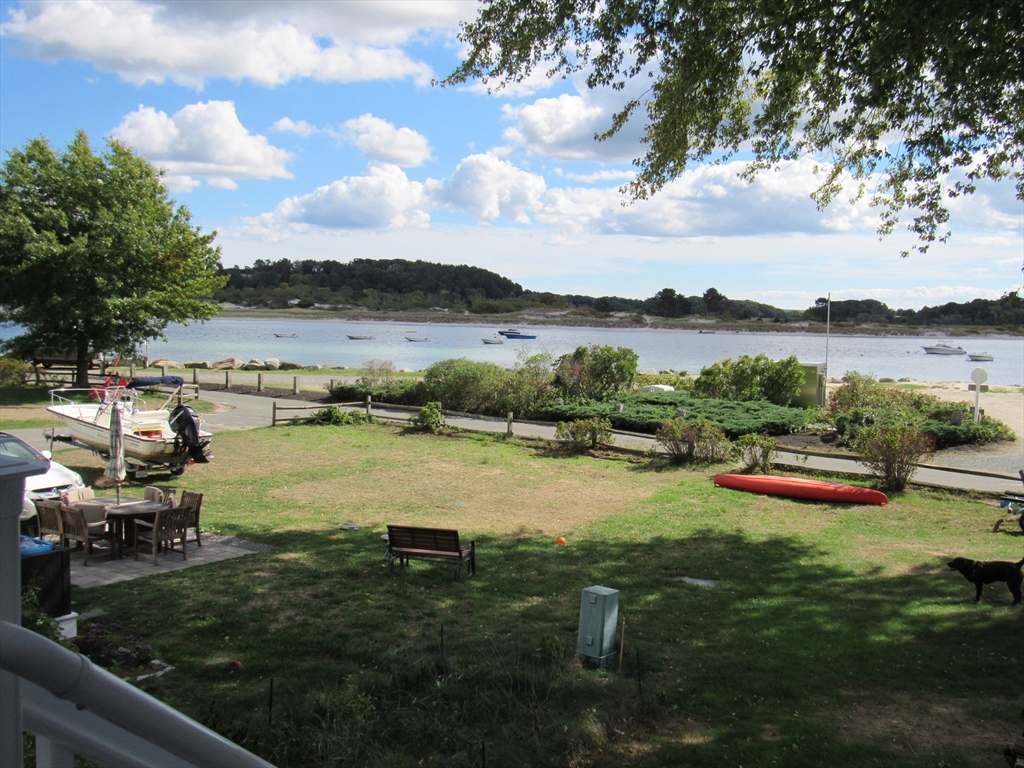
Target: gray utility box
599,615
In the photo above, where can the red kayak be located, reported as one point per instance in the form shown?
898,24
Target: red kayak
802,488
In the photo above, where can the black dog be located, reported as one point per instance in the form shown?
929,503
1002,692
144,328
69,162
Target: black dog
982,572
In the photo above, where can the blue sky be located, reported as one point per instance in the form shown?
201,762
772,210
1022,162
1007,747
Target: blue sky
311,131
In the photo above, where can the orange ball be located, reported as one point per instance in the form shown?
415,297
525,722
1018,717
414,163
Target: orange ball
561,540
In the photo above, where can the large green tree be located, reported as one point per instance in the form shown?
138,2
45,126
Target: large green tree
94,255
919,99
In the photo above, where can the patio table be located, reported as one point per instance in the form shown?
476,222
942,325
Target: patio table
123,515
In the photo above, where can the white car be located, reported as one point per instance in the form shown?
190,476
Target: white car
47,486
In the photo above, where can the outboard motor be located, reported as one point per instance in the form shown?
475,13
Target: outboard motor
185,424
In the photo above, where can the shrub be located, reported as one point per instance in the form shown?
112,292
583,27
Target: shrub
429,418
693,441
464,385
757,452
583,434
892,451
377,373
397,392
751,378
336,417
596,371
527,386
13,372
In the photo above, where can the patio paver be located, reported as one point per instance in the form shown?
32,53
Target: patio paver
102,570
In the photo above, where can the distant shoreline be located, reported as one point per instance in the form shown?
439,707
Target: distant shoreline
565,320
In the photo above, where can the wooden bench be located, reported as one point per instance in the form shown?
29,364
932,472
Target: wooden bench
406,541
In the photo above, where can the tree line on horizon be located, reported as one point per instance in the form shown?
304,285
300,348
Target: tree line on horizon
400,284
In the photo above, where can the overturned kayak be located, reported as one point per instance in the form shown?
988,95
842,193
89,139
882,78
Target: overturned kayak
802,488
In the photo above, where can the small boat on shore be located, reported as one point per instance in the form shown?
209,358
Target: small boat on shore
286,335
493,341
980,357
359,338
944,349
802,488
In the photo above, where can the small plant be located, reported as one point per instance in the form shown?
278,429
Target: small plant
892,452
430,418
757,453
583,434
693,441
113,646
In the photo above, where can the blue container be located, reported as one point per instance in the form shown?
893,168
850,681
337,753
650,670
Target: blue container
30,546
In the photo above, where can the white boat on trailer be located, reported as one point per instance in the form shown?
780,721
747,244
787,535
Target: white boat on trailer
154,439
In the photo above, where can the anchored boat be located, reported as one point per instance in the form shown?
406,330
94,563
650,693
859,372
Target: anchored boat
157,439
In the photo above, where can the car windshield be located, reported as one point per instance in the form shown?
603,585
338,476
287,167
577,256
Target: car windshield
18,449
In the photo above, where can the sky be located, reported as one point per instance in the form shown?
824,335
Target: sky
312,130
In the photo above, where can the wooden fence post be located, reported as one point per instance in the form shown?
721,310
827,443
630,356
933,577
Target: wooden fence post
259,383
227,379
163,370
509,430
195,376
131,371
368,406
273,416
295,385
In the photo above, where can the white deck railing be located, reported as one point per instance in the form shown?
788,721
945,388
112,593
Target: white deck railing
74,707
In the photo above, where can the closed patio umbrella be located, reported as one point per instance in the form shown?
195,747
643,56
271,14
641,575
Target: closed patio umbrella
116,469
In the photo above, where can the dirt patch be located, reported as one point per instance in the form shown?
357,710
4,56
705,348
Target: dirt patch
921,725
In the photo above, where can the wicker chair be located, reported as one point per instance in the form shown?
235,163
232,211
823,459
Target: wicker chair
168,526
193,502
48,517
77,528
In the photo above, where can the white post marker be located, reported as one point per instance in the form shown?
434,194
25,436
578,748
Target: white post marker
979,376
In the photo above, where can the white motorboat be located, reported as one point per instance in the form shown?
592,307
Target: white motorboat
286,335
359,338
944,349
416,338
980,357
493,341
510,330
159,439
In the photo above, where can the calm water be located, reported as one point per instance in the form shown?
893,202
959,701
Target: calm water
325,342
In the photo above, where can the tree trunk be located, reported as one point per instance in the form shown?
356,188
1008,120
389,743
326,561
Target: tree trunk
82,363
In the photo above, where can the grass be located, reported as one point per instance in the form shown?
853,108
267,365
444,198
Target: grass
835,634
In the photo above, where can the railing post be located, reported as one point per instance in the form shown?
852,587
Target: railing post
509,425
131,371
295,385
273,417
195,376
227,379
259,383
368,406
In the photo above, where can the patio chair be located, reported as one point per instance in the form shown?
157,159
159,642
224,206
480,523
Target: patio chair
168,526
152,493
77,494
193,502
77,528
48,518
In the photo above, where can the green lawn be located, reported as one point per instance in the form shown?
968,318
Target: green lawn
835,634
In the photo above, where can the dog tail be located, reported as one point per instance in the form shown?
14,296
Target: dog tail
1019,563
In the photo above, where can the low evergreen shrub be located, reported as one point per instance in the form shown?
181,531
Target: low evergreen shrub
430,418
396,392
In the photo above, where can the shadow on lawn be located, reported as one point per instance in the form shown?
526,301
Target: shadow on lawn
763,668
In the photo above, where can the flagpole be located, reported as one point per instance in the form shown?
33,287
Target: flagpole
828,325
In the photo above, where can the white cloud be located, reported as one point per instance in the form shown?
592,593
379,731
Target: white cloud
269,43
489,188
301,127
383,198
206,140
380,140
590,178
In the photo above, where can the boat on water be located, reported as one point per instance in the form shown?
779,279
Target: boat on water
520,336
802,488
507,331
980,357
359,338
944,349
286,335
416,338
154,439
493,341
